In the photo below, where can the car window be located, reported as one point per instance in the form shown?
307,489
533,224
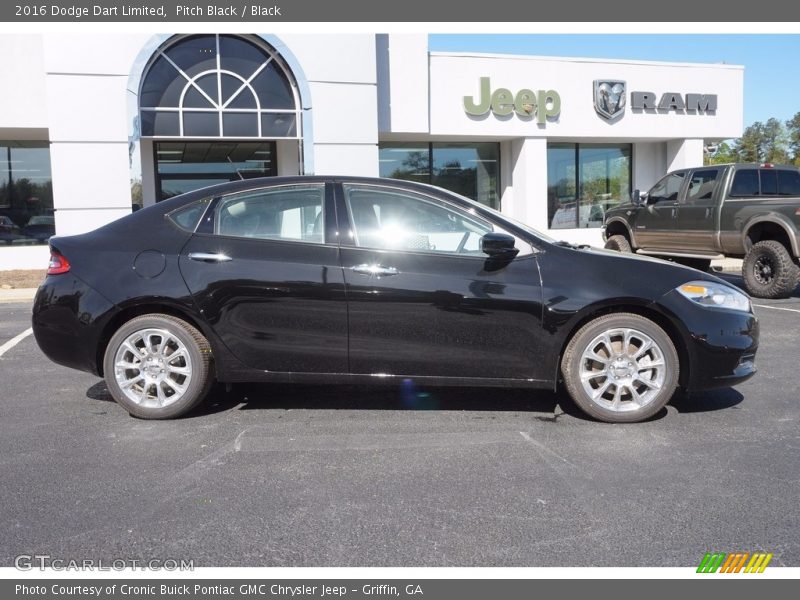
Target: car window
397,219
769,182
667,189
701,185
745,183
187,217
291,213
788,183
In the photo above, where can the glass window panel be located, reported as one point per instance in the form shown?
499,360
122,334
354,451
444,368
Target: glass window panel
278,125
189,216
584,181
208,83
745,183
194,54
468,169
788,183
702,184
201,124
769,182
240,56
194,99
162,86
26,194
176,187
188,166
292,213
240,124
397,220
244,99
562,186
667,189
273,89
408,161
160,123
605,175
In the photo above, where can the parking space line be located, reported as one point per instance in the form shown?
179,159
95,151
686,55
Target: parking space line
15,340
777,308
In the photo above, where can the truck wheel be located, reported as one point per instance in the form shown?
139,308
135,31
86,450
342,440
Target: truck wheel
158,367
619,243
769,271
620,368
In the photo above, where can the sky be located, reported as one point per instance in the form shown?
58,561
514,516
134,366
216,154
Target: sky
772,62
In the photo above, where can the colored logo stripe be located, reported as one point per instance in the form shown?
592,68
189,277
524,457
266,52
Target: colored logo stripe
734,562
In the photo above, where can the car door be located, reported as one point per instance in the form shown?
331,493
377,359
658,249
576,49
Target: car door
424,300
263,268
656,220
697,212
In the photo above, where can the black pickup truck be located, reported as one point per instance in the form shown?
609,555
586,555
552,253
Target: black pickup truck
694,216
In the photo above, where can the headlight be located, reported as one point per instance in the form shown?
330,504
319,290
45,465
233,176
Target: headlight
707,293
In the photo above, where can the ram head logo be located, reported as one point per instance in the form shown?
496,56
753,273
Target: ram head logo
609,98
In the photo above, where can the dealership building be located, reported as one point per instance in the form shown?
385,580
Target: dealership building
95,125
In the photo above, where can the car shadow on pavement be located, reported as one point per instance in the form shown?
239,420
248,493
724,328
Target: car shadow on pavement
707,401
408,396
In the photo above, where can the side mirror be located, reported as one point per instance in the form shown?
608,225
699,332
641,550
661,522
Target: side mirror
498,245
636,198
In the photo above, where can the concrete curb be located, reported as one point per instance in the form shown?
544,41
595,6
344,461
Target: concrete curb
17,295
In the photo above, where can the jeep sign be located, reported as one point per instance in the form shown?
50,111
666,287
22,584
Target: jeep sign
544,104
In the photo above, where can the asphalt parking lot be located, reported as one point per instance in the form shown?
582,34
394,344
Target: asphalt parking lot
352,476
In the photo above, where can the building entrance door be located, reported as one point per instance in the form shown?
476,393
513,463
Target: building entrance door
186,166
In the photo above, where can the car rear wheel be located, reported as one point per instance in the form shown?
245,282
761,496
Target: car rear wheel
619,243
769,270
158,367
620,368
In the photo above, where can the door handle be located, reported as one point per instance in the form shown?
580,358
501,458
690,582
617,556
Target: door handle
209,257
375,270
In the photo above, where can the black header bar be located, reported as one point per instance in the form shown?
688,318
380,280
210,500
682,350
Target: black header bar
438,11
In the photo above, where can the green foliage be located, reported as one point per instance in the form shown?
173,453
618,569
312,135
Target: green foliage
774,141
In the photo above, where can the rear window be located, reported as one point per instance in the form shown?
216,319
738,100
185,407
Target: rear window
745,183
769,182
789,183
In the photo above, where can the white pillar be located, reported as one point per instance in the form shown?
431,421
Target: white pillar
525,196
684,154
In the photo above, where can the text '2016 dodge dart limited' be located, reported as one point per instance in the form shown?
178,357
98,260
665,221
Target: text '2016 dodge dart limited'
315,279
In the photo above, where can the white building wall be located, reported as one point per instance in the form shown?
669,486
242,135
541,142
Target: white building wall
22,102
684,154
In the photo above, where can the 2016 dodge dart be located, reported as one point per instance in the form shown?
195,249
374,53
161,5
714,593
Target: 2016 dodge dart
315,279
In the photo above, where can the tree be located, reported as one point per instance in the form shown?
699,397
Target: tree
793,137
763,142
723,154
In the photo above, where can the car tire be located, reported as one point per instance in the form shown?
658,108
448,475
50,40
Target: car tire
158,367
769,270
619,243
620,368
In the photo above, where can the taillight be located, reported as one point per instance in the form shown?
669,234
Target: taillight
767,166
58,264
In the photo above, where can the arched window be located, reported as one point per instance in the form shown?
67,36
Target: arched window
218,86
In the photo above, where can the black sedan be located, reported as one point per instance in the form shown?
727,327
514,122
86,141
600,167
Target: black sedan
332,280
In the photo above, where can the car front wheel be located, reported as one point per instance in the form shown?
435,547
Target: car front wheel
158,367
619,243
620,368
